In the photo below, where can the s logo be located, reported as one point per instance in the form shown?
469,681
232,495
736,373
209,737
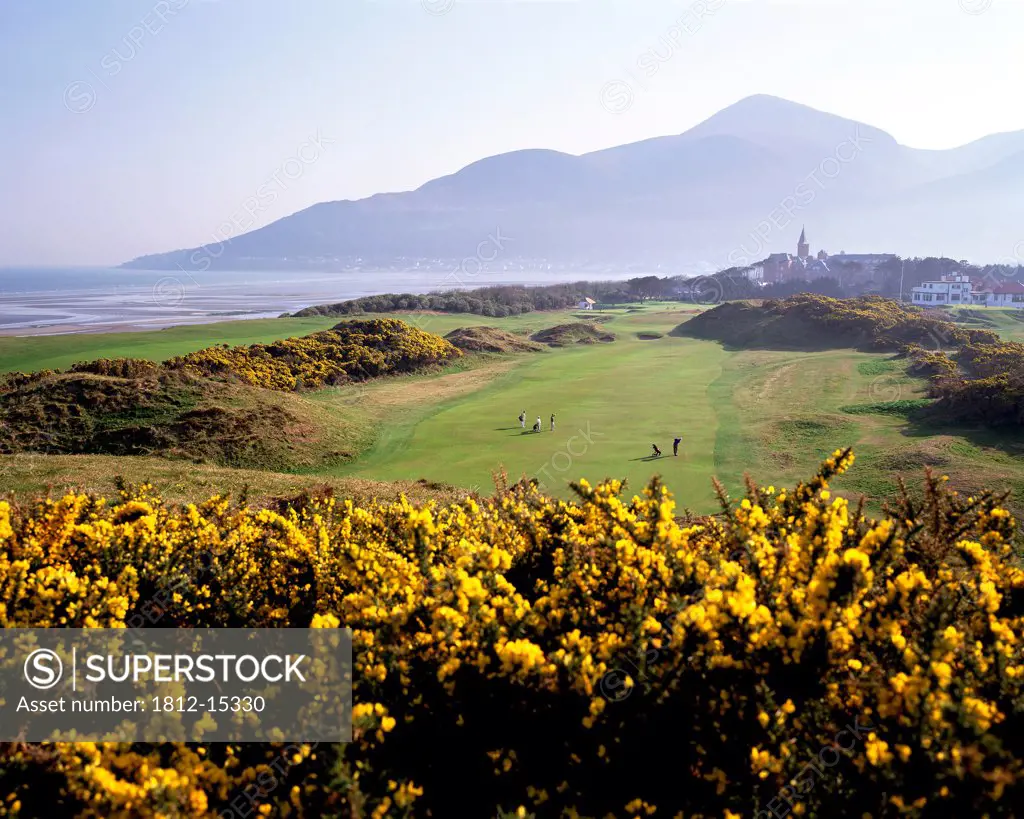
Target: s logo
43,668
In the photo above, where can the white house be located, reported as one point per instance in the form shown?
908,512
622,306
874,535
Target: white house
755,273
951,290
586,304
1009,294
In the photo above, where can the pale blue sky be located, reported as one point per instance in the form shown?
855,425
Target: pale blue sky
111,148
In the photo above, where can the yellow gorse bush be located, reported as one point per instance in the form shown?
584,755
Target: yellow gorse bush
599,657
352,351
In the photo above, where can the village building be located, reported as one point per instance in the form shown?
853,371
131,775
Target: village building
803,247
958,289
784,267
850,269
955,289
586,304
1010,294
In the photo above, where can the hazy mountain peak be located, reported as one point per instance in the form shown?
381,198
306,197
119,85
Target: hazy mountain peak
768,120
671,200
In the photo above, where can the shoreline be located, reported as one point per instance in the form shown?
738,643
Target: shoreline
135,326
119,301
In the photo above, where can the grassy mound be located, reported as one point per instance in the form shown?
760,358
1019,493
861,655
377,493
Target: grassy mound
166,413
905,406
72,412
812,322
973,318
212,405
916,458
351,351
977,379
581,332
490,340
524,656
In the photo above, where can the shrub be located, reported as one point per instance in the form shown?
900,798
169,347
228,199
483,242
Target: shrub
904,406
498,301
118,367
351,351
598,657
929,364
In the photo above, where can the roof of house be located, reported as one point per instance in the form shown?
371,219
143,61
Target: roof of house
870,257
589,300
964,280
1008,288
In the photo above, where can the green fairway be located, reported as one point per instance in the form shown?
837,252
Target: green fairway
772,414
611,402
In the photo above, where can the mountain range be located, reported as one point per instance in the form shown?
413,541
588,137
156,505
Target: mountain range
729,191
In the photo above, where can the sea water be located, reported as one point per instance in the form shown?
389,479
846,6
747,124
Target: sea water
59,300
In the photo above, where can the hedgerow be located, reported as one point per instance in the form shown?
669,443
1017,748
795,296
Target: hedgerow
499,301
599,657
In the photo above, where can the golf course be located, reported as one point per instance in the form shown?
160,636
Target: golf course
768,413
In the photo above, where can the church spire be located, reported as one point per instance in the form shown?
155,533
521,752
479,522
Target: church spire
803,248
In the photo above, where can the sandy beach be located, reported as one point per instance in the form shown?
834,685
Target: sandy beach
61,301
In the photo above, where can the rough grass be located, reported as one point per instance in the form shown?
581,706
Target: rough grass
902,407
581,332
491,340
813,433
172,415
876,367
179,481
914,458
969,316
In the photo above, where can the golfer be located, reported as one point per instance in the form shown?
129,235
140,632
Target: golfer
675,446
552,422
522,419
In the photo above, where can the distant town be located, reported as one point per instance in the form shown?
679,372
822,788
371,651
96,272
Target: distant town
928,282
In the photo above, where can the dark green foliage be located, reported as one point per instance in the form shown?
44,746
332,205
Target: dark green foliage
486,301
902,407
578,333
